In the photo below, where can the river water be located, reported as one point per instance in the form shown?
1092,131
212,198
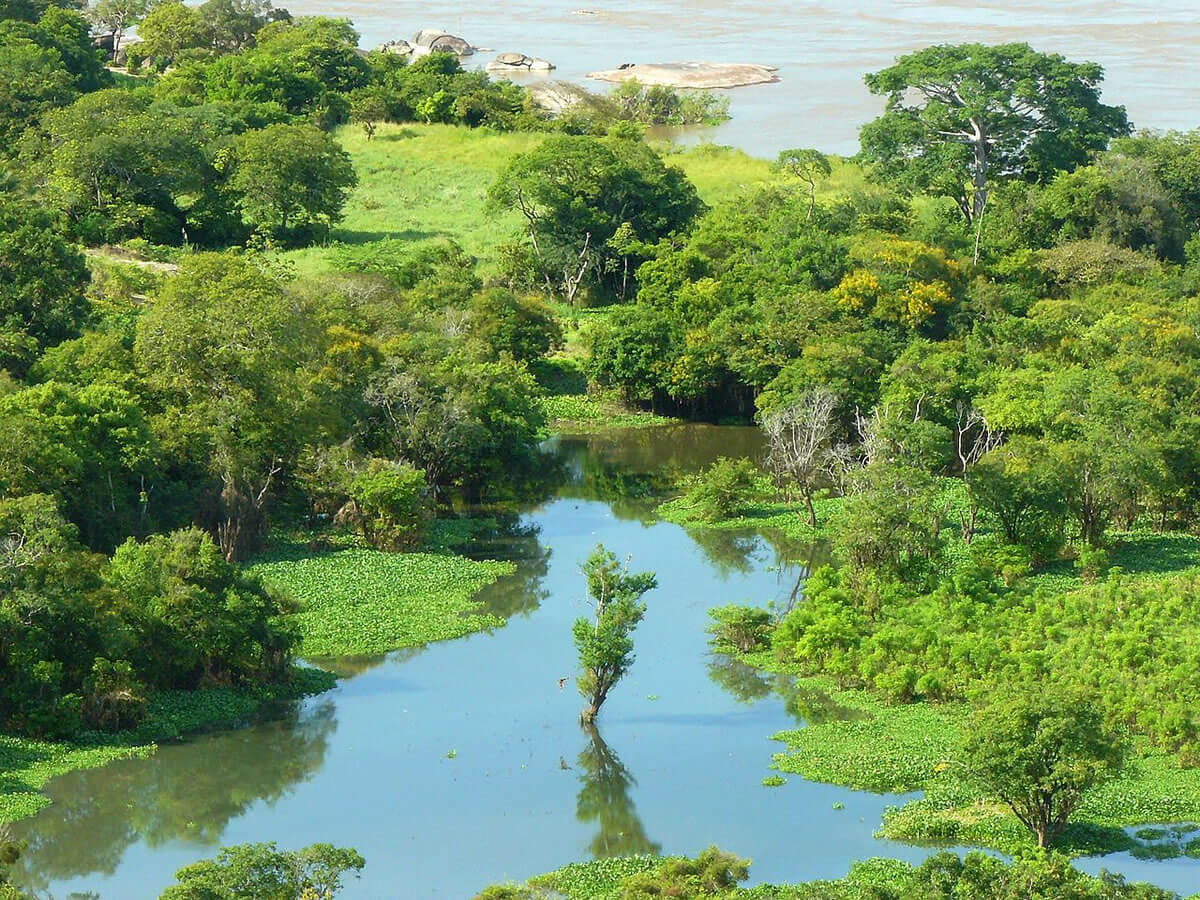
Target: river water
463,763
822,48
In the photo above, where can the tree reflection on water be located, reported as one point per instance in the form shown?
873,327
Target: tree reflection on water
604,799
176,794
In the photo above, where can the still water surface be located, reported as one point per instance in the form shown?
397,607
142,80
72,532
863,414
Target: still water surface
463,763
822,48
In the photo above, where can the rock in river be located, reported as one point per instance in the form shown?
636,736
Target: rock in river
691,74
518,62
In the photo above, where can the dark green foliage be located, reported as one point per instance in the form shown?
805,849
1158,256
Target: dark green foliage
1039,751
962,116
605,645
194,618
263,871
577,193
290,178
42,281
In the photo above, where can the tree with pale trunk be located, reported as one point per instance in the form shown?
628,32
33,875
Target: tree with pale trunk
809,166
959,117
799,441
116,17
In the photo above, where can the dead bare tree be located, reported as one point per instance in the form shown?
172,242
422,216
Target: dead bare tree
799,437
973,438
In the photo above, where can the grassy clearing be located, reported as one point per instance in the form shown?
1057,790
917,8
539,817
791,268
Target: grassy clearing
26,765
423,182
430,181
360,601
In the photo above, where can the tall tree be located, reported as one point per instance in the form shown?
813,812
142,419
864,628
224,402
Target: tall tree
961,116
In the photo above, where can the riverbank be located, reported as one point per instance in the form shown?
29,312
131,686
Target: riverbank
878,878
26,765
356,601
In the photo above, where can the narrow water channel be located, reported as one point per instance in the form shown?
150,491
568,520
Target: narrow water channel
463,763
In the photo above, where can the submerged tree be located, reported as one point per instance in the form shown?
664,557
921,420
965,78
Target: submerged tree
606,645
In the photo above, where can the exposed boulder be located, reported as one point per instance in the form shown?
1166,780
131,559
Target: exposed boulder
436,41
556,97
518,62
697,75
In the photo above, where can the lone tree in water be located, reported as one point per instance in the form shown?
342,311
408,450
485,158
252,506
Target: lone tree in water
605,645
1039,752
961,116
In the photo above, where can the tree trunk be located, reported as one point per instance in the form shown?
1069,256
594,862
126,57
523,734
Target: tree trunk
812,512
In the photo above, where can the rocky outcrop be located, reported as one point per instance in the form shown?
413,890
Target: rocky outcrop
556,97
698,75
429,40
518,62
442,42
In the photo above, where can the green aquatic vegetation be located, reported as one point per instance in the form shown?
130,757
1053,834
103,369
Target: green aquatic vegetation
774,781
367,601
597,880
585,412
768,515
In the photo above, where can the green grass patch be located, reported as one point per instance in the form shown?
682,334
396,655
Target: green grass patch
360,602
26,765
424,182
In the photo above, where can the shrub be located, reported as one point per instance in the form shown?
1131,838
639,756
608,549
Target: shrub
392,499
743,628
724,490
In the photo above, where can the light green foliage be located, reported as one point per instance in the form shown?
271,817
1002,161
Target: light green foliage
662,105
366,601
605,644
392,503
263,871
714,873
724,490
740,628
943,876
